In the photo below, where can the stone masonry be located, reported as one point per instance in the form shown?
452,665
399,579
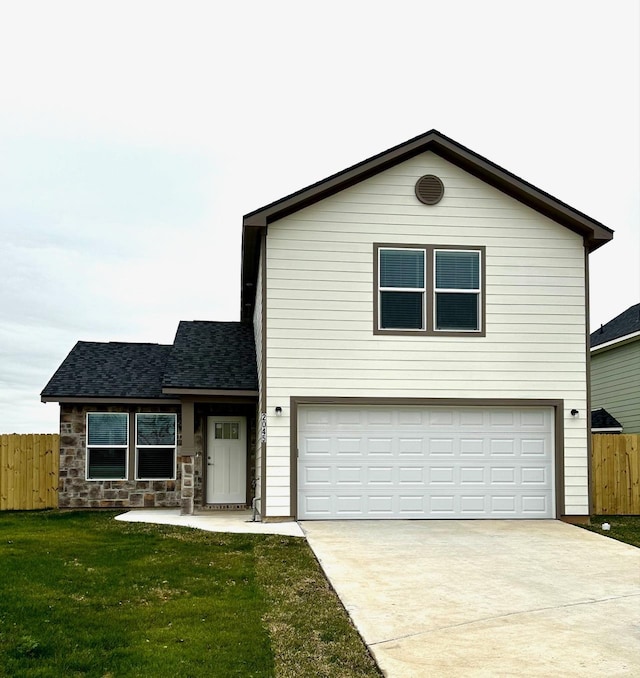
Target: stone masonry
74,491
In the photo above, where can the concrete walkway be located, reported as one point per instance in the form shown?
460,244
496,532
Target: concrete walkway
220,521
486,598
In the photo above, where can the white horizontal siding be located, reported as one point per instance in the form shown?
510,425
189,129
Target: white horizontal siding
320,306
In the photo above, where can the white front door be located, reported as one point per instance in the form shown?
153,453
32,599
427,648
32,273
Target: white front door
226,460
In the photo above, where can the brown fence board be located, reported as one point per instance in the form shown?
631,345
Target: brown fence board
615,474
29,471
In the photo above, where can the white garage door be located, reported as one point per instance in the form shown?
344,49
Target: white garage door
424,462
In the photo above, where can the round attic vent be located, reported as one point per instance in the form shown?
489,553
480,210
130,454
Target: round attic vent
429,189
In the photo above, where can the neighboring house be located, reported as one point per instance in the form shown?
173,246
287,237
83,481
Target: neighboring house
603,422
420,329
615,368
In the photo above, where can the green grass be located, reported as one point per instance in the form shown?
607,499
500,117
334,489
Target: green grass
84,595
623,528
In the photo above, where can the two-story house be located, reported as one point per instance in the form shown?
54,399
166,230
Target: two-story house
412,344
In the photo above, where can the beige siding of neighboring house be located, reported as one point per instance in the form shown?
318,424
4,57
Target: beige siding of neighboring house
320,309
257,332
615,383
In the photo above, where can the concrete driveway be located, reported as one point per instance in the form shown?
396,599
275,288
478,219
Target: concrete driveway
486,598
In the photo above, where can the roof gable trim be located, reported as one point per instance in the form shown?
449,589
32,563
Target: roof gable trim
593,231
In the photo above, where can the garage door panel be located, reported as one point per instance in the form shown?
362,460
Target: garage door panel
410,446
350,475
502,475
535,476
317,475
411,475
417,462
535,505
318,446
472,475
534,447
472,505
440,475
439,447
502,447
472,447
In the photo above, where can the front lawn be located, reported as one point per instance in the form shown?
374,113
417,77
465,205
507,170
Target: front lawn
623,528
84,595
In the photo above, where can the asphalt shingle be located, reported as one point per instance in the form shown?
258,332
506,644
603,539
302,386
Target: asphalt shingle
622,325
110,370
600,418
212,355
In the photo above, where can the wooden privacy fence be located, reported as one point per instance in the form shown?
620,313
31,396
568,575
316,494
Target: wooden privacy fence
29,471
615,474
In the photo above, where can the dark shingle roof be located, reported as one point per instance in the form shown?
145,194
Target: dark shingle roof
622,325
110,370
212,355
600,418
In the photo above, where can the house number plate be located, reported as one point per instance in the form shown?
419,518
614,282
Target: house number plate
263,427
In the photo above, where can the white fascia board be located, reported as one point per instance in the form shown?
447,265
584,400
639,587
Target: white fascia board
614,342
606,430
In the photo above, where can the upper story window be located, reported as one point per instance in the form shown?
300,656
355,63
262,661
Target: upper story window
107,444
431,290
402,289
457,290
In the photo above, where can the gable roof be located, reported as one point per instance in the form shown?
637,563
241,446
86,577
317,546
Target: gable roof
215,356
594,233
109,370
623,325
601,420
206,356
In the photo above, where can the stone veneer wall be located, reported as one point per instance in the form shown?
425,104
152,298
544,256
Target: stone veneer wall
74,491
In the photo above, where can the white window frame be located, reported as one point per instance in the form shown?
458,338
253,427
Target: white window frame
447,290
417,290
89,447
173,447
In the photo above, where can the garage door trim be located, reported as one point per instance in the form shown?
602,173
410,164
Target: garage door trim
557,405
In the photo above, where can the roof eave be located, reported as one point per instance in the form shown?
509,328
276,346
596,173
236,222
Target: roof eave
232,393
618,341
109,400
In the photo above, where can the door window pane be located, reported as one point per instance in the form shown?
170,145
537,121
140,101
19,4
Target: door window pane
227,430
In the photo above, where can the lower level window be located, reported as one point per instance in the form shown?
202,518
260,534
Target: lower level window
107,443
155,446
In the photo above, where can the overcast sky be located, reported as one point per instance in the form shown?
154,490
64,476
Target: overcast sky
135,135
